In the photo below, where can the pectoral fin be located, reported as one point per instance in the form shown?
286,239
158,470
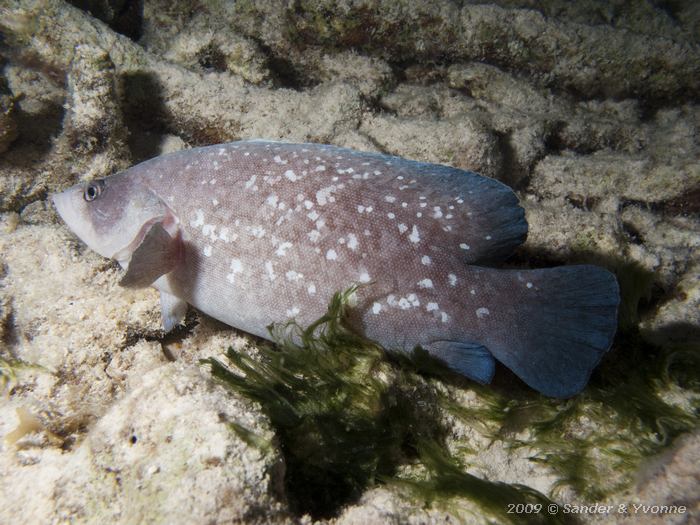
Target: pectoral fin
172,309
156,255
470,359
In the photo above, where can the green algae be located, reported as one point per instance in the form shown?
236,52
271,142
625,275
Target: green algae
8,375
9,369
349,416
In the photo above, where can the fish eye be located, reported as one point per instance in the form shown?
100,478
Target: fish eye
93,190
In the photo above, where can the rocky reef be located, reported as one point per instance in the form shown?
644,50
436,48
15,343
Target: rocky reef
589,110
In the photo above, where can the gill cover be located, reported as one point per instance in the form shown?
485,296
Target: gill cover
114,215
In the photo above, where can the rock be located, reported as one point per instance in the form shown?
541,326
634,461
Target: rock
129,464
94,136
464,143
8,126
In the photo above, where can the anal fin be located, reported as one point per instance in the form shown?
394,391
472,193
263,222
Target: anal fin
172,309
469,359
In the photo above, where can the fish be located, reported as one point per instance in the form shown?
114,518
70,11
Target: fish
258,232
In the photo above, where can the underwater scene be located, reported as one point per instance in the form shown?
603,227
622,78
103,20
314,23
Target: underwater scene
351,262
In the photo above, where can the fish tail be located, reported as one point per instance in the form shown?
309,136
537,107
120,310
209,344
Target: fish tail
558,325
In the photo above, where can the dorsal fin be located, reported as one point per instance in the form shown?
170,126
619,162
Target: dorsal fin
492,219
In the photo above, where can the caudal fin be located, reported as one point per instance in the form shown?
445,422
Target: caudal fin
562,321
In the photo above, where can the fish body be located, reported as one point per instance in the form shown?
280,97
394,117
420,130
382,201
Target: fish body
256,232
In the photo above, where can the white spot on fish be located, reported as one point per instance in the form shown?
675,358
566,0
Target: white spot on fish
331,255
376,308
308,204
322,195
404,304
482,312
364,277
198,219
437,212
292,312
402,228
419,215
453,279
431,307
391,215
207,251
223,234
282,248
360,208
425,260
208,229
314,235
352,241
404,204
488,237
270,270
414,236
311,289
272,200
279,160
321,167
249,183
236,267
413,299
215,202
390,198
425,283
464,246
291,175
313,215
444,317
529,285
292,276
257,232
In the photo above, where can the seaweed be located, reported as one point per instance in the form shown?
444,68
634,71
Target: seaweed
8,375
349,416
9,366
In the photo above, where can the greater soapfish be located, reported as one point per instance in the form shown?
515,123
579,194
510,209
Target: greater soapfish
257,232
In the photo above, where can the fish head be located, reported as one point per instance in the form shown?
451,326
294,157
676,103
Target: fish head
111,215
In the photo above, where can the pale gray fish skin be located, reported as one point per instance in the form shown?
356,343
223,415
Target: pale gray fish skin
267,231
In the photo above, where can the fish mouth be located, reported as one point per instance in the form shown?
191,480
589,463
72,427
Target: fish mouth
65,204
62,205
